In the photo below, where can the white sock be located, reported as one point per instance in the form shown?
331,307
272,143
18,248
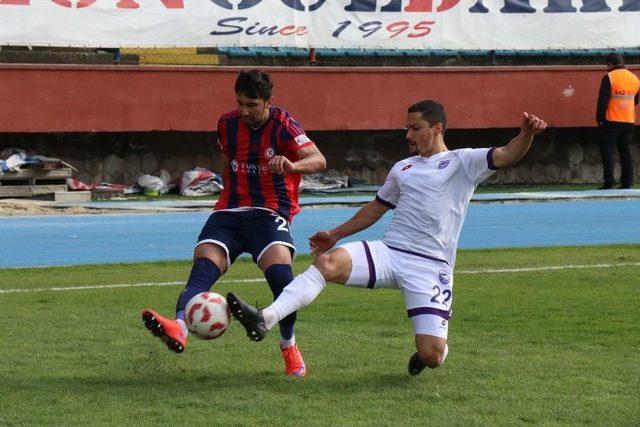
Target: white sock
287,343
297,294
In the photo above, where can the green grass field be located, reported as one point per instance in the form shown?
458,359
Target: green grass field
555,346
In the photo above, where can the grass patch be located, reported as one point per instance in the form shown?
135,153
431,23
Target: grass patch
544,347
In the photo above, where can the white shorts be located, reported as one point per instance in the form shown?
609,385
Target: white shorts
427,285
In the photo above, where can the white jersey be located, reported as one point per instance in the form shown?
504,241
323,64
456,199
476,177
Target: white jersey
430,196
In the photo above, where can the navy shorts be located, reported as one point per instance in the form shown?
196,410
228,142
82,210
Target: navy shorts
252,231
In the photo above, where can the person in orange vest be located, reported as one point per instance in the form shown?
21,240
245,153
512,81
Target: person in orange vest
615,116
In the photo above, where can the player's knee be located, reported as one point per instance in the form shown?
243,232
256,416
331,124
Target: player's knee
325,265
328,266
432,357
213,252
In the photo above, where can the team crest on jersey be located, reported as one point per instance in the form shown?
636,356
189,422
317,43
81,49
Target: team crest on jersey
269,153
302,139
444,277
405,168
443,164
234,165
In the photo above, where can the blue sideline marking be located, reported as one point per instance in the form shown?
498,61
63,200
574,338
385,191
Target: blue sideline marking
89,239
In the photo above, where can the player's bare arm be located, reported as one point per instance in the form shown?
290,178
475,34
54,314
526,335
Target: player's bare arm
368,215
516,148
311,161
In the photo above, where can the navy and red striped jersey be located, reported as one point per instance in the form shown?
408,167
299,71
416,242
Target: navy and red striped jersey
247,180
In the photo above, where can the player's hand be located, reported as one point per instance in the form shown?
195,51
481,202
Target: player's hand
281,165
532,124
321,242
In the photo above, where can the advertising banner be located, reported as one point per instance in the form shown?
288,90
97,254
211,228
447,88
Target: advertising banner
393,24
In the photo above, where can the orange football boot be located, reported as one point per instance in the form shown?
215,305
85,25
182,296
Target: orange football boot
168,330
293,362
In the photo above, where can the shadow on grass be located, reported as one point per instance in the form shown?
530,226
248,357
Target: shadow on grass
231,382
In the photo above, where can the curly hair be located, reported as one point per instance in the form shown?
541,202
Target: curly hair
254,84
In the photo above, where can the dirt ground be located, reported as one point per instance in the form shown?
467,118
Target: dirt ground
12,207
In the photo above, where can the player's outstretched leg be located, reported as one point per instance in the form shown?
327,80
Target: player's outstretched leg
249,316
169,331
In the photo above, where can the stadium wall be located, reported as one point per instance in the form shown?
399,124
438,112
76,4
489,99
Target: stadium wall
68,98
115,123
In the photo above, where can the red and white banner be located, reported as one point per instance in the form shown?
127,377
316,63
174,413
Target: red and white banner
398,24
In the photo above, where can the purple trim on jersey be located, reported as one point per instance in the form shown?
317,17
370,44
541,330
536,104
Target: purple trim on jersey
384,202
417,254
445,314
372,268
490,159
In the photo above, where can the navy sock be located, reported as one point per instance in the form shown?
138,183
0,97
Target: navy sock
278,276
204,274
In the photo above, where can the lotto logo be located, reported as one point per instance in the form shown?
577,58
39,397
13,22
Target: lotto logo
302,139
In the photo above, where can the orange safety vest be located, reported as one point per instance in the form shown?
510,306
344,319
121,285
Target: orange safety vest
624,87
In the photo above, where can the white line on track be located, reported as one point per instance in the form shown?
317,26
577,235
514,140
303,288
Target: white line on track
159,284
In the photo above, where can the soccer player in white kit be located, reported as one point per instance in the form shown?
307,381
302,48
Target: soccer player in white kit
429,193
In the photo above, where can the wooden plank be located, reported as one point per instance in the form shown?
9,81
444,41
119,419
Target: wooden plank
47,165
62,173
29,190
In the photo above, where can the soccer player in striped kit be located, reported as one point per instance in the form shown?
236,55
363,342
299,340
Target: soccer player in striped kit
266,152
429,193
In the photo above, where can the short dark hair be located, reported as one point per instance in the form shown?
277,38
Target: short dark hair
432,112
615,59
254,84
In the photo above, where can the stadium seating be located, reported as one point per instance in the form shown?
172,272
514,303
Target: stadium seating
293,51
330,52
171,56
269,55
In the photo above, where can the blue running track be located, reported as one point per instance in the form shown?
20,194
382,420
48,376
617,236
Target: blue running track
111,238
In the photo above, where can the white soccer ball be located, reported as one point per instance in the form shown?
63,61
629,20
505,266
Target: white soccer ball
207,315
